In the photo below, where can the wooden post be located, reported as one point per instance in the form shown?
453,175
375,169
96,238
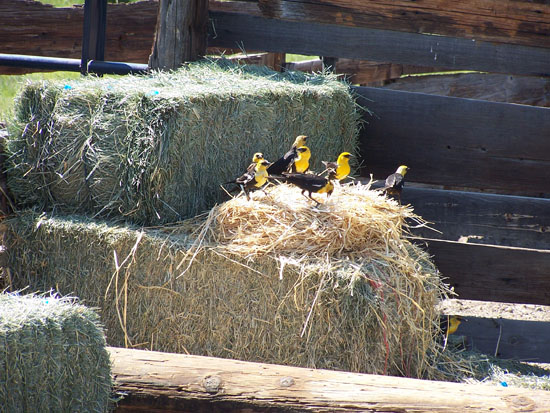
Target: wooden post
180,34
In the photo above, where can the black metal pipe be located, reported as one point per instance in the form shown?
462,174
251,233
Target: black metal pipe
40,62
116,68
71,65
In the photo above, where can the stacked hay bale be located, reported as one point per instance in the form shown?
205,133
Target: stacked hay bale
154,149
270,280
53,356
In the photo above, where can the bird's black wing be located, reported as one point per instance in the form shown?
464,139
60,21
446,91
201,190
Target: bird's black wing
283,164
309,182
394,181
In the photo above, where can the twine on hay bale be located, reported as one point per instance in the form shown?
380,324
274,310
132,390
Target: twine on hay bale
272,280
53,356
154,148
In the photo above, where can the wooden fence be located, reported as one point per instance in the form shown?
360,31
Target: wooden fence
479,169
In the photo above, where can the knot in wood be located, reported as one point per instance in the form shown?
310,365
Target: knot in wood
212,384
286,381
520,403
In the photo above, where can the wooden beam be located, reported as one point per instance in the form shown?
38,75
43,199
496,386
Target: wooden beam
481,218
32,28
508,339
162,382
275,61
362,71
526,90
493,273
519,22
180,34
276,35
456,142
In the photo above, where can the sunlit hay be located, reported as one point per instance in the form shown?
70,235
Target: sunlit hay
154,148
335,287
53,356
353,222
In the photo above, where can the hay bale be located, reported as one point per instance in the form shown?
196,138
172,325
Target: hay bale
270,280
53,356
155,148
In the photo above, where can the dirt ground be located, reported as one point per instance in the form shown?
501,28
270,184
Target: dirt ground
529,312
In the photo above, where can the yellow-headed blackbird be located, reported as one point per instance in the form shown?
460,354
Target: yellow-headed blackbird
311,183
301,164
396,181
341,166
254,178
284,163
449,324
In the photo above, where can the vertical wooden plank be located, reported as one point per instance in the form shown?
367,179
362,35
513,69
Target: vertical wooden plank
180,33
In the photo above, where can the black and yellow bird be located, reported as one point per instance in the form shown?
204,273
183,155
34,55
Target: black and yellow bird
254,178
301,164
395,182
341,166
449,324
284,163
310,183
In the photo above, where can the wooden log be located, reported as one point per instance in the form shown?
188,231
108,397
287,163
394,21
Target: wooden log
517,22
361,71
162,382
180,34
275,61
493,273
526,90
508,339
276,35
456,142
481,218
32,28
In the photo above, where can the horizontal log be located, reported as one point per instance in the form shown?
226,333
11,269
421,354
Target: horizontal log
456,142
277,35
32,28
508,339
526,90
362,71
519,22
481,218
493,273
161,382
29,27
275,61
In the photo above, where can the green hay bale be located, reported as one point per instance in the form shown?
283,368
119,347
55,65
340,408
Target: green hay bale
53,356
155,148
368,309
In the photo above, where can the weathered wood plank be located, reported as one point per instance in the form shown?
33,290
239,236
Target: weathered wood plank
493,273
456,142
481,218
32,28
275,61
508,339
184,383
273,35
28,27
526,90
180,34
519,22
362,71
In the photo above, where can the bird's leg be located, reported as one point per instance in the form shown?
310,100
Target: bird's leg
245,192
317,203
